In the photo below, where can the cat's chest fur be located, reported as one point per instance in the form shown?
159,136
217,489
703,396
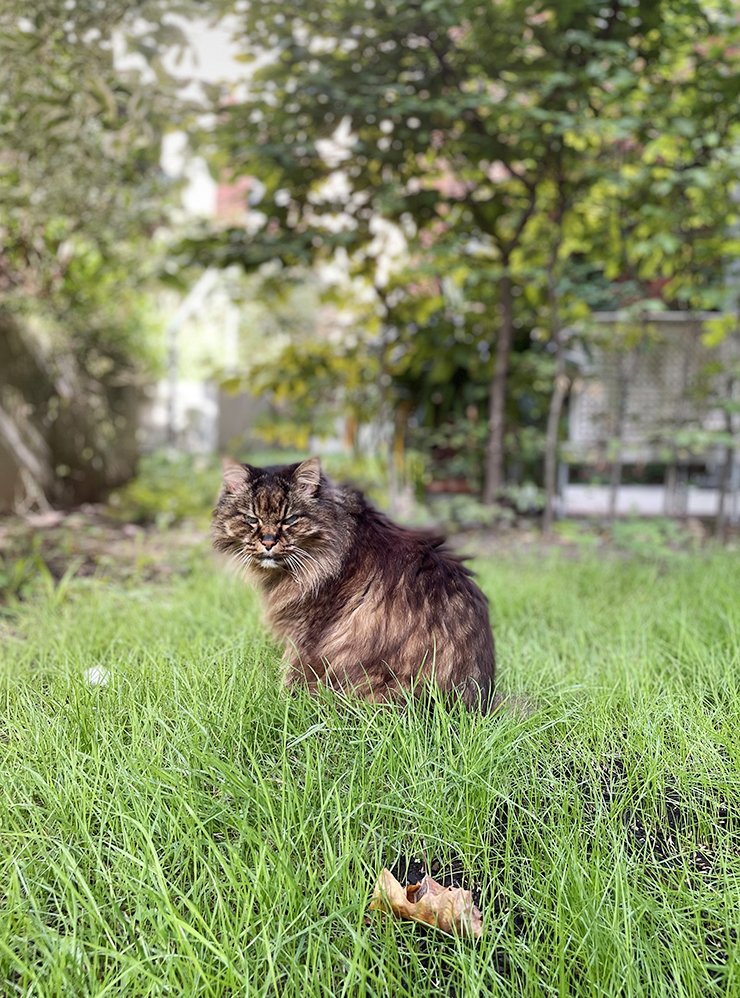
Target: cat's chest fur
315,620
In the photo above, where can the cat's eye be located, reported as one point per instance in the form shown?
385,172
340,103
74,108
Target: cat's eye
291,520
252,520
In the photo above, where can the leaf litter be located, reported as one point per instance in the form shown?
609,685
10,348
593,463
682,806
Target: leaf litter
449,909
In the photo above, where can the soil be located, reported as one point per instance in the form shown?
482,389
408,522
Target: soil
89,541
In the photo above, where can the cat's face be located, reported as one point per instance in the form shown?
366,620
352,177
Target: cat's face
271,519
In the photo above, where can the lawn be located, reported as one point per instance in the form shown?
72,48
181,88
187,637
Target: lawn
184,829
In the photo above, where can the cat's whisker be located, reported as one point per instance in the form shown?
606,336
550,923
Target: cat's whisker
302,572
297,566
301,576
291,563
302,553
306,557
310,567
293,567
242,559
234,557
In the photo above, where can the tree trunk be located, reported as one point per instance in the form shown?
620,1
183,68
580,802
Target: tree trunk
615,474
726,473
494,478
71,434
669,485
615,480
671,504
36,463
724,489
560,387
399,439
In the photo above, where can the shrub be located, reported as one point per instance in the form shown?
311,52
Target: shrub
169,488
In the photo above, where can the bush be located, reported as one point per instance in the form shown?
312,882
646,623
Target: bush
169,488
464,512
16,575
654,538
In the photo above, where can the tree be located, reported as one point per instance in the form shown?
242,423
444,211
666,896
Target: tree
81,196
658,219
447,116
457,121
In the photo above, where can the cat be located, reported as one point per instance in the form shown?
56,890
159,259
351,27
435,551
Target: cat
364,605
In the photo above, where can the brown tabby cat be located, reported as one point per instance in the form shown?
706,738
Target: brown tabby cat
363,604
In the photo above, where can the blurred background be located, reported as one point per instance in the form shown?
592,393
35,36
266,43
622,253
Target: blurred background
481,255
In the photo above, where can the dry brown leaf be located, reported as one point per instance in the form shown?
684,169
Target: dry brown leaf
450,909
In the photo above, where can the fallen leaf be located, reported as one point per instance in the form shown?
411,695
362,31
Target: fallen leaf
450,909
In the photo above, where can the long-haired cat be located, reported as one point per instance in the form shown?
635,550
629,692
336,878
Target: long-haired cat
363,605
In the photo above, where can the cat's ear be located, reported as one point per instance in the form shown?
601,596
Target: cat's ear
236,475
307,476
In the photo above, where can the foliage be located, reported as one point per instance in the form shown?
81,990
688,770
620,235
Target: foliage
82,202
445,119
654,539
465,512
528,162
455,449
169,488
527,499
313,382
24,577
16,575
366,472
79,171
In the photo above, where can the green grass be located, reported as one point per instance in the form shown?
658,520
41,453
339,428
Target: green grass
186,830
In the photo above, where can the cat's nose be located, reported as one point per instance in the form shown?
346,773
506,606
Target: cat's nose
269,541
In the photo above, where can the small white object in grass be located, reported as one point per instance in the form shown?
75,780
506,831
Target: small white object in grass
97,676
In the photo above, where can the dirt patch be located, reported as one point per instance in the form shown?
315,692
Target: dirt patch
89,542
